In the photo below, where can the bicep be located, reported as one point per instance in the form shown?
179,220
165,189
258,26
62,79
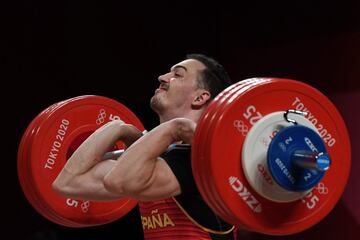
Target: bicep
162,184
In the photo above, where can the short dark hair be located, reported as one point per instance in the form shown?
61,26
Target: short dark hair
214,77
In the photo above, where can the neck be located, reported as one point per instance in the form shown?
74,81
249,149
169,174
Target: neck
192,115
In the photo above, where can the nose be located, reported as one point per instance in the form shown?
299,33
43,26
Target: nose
164,78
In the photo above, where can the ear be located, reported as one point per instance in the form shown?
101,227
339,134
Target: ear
201,98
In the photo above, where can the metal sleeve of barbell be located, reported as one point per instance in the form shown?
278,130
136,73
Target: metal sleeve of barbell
311,160
113,155
117,153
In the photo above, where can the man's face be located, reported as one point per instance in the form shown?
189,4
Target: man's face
177,88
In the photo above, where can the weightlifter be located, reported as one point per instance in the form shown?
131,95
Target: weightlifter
159,177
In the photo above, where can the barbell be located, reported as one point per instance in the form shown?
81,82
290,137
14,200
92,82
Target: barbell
269,155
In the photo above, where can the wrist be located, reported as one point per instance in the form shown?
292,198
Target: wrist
128,134
182,129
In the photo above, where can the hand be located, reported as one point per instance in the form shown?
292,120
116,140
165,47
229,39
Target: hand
114,131
129,134
184,129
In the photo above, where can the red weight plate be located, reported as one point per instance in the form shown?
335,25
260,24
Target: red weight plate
23,164
200,145
55,136
53,214
23,146
24,171
47,211
199,142
321,185
22,156
213,196
227,215
229,181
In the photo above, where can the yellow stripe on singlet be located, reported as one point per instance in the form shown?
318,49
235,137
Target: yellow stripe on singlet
199,225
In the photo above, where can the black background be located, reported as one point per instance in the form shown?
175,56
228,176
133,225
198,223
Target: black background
54,50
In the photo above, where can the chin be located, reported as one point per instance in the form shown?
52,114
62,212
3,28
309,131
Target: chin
156,104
